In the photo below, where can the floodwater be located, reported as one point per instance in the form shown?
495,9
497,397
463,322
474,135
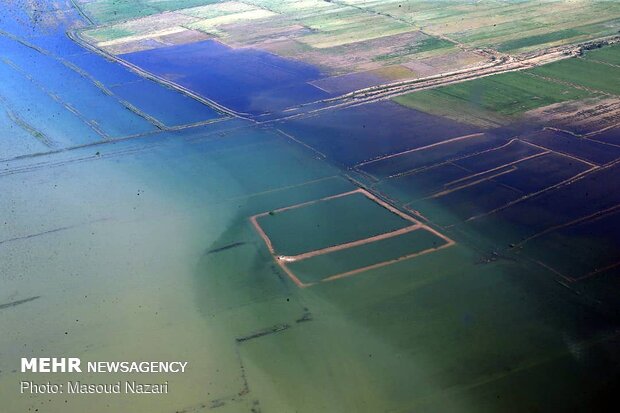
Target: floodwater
363,133
245,80
133,241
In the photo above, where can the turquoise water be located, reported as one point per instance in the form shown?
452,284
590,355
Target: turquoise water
71,90
328,223
16,141
170,107
138,245
344,261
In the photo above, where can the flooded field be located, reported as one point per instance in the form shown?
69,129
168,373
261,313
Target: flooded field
362,133
453,249
261,82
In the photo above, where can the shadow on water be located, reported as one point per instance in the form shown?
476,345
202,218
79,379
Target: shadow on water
428,334
224,277
448,332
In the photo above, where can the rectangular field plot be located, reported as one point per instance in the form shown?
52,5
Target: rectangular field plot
479,193
542,172
354,231
436,102
78,94
609,54
426,156
611,135
331,222
245,80
468,200
105,71
539,39
580,251
407,188
108,11
493,99
507,25
586,149
514,151
363,133
584,73
47,118
170,107
351,261
482,183
593,194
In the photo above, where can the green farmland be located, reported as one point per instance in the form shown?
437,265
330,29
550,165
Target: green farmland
492,99
583,73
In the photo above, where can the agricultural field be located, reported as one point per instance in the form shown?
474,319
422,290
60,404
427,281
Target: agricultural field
363,133
588,75
494,100
323,240
322,206
343,263
606,55
269,82
293,231
429,155
359,44
339,38
504,26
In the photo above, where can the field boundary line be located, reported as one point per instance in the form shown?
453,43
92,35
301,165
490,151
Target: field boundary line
565,182
562,153
282,260
451,161
385,263
473,183
591,217
421,148
347,245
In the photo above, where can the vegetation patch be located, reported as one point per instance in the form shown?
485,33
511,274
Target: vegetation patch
538,39
494,99
424,45
327,223
582,73
609,54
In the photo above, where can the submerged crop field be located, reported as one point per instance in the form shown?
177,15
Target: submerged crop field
320,206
